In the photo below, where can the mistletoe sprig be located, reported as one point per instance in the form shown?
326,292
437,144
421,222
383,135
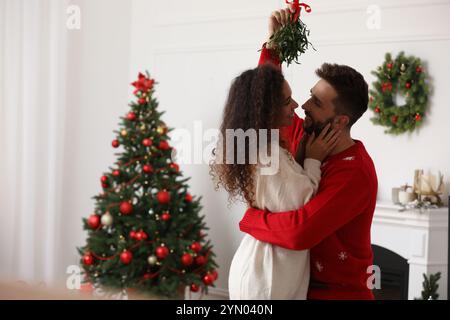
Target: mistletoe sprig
291,41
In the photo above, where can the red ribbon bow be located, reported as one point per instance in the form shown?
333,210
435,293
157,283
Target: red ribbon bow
298,7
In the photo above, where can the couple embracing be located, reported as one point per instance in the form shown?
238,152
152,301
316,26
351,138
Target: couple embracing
307,228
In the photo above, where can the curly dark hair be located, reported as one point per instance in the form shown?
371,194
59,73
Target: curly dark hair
253,102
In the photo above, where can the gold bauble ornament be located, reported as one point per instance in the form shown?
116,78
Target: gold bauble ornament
162,128
123,133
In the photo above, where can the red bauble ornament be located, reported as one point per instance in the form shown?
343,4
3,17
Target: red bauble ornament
164,145
104,179
126,257
147,142
377,109
142,101
88,259
394,119
141,235
194,287
188,197
163,197
115,143
138,236
419,69
162,252
147,168
175,167
165,216
389,65
94,221
116,173
126,208
196,247
408,85
418,117
133,234
105,185
131,116
187,259
200,260
208,280
214,275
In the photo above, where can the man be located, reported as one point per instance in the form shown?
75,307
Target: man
335,224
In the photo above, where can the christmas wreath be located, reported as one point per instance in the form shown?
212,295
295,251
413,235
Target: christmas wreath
404,76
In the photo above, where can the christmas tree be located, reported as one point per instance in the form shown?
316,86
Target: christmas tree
146,234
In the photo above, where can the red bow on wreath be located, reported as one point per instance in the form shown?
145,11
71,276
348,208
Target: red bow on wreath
298,7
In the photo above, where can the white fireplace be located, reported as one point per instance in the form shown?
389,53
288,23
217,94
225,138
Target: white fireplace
420,238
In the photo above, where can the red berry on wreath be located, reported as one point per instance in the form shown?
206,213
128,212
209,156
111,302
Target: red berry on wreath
126,208
94,221
389,65
196,247
419,69
408,85
126,257
194,287
147,142
418,117
115,143
394,119
163,197
187,259
162,252
377,109
131,116
147,168
88,259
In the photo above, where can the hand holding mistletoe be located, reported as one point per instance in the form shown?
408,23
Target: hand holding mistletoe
288,35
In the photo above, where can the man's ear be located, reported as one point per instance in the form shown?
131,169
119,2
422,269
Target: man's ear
341,121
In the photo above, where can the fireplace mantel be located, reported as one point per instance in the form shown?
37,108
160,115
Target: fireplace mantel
420,238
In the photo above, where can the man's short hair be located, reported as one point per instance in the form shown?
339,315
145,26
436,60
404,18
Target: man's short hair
351,88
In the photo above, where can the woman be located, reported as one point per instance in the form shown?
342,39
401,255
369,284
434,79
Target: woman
261,99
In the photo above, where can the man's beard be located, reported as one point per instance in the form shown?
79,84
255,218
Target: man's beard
316,126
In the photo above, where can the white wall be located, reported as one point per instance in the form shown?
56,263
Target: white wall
195,49
97,95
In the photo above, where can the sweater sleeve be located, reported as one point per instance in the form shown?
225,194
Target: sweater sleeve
269,56
342,196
